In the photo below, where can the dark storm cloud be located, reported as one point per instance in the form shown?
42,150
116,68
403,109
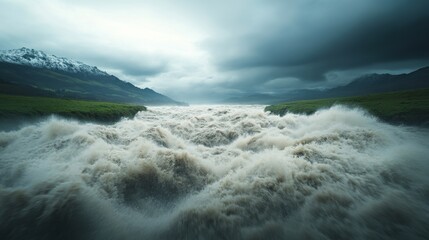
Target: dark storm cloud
131,65
340,36
197,50
138,70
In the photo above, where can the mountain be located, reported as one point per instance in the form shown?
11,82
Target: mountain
364,85
39,59
378,83
67,78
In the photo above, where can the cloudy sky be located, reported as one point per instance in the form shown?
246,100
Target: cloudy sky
199,51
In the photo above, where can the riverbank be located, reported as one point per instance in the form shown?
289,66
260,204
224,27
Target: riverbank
19,107
405,107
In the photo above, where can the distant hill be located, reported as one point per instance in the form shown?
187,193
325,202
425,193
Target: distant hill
379,83
367,84
256,98
61,77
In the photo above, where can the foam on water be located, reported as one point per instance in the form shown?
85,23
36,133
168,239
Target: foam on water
216,172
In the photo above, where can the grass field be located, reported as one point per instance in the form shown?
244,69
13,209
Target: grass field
12,106
409,107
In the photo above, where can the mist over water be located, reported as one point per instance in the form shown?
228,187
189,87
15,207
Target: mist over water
216,172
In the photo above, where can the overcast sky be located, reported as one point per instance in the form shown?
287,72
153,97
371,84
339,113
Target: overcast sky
198,51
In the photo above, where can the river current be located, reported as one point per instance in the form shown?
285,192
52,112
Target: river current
216,172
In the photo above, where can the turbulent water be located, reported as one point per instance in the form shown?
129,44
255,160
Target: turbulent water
222,172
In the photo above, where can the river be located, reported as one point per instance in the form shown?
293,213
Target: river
216,172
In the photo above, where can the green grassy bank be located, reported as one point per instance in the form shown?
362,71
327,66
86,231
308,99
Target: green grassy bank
408,107
12,106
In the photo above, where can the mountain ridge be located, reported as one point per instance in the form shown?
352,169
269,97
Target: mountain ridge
72,79
363,85
36,58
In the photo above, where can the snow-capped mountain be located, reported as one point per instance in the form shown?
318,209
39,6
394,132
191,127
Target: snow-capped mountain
34,72
39,59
